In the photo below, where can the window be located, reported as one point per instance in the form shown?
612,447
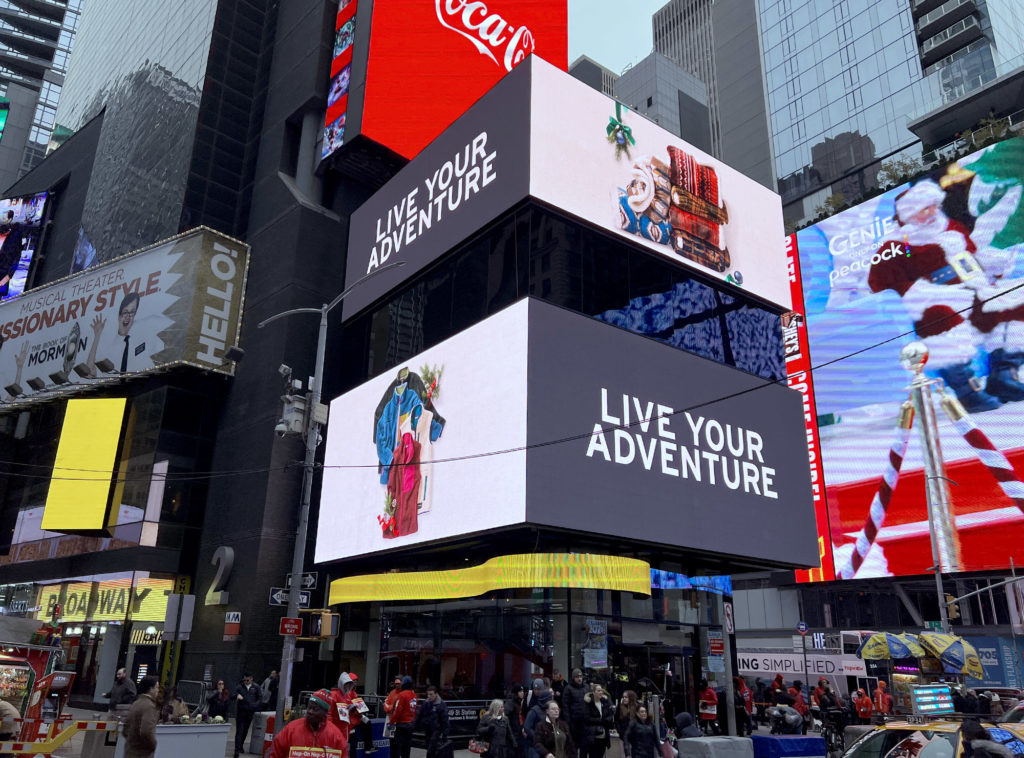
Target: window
650,102
890,744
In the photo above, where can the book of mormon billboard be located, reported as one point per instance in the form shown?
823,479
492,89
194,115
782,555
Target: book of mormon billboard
539,416
541,133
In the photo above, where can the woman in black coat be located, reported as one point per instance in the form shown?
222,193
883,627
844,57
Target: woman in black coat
514,714
218,702
641,736
497,730
551,736
599,720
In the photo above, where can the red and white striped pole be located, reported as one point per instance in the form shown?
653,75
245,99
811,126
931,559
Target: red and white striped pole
880,503
994,460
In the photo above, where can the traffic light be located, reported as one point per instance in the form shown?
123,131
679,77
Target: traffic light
323,625
952,607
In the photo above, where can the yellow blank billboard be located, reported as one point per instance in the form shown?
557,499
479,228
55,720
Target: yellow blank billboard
83,474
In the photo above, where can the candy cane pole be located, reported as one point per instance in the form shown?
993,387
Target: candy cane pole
880,503
989,454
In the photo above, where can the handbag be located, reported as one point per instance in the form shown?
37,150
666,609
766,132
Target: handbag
479,746
667,751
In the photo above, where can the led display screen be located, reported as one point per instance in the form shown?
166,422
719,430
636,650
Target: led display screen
5,109
429,61
938,260
341,74
21,220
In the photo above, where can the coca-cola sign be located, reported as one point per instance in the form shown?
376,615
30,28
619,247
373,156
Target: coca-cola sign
489,32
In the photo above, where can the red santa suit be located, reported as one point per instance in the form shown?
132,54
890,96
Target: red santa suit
943,277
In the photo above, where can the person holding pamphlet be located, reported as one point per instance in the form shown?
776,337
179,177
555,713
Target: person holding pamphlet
311,736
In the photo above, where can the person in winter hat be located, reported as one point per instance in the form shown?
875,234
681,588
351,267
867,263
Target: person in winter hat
313,731
345,698
952,284
981,743
403,716
573,708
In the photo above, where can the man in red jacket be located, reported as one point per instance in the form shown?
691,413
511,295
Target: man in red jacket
403,716
313,732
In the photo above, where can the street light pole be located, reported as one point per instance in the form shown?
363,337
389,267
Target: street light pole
312,434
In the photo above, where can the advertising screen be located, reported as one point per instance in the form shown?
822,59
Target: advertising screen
341,75
938,261
177,302
429,61
21,219
538,415
606,164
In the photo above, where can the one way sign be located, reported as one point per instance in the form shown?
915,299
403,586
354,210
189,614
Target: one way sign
279,596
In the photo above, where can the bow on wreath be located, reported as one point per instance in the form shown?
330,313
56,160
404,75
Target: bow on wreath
618,133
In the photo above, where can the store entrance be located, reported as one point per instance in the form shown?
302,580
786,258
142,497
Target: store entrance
662,669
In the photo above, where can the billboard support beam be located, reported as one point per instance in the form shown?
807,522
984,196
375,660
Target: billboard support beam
313,422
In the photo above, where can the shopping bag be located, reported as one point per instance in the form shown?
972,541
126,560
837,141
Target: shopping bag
667,751
479,746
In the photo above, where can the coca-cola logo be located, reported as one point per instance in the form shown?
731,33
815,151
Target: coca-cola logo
491,34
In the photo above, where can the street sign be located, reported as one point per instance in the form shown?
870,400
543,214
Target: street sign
279,596
232,625
730,627
308,581
934,625
802,627
290,626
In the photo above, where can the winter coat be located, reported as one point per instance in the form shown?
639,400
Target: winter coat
251,700
573,706
514,714
544,738
432,717
597,723
536,715
499,734
685,726
298,734
218,706
643,740
122,693
140,728
405,704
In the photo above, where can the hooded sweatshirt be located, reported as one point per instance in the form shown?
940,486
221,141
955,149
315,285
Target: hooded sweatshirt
343,695
536,715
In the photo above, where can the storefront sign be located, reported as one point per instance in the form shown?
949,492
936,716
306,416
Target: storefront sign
105,601
489,400
716,642
177,302
790,665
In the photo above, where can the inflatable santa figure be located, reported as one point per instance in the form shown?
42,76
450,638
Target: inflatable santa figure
951,282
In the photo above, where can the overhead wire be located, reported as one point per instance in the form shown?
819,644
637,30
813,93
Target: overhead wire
209,475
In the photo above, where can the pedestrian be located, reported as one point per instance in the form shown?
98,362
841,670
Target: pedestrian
778,685
864,707
403,716
642,737
761,700
971,702
799,704
996,709
959,703
268,690
535,716
346,700
122,692
313,731
558,684
980,742
432,718
218,703
598,722
496,729
247,701
881,700
535,692
552,737
744,706
513,709
708,708
685,726
624,714
984,705
391,699
573,708
143,716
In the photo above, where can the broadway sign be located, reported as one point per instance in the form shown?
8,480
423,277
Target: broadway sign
178,302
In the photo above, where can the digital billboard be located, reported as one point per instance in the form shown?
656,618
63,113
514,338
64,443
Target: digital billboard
21,220
341,76
538,416
938,260
427,61
179,301
539,132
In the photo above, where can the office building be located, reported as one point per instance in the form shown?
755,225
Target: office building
593,74
864,82
36,39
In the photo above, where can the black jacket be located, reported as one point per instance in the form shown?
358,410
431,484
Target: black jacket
431,717
685,726
598,723
252,698
514,714
499,733
643,740
534,716
573,707
218,706
122,693
544,739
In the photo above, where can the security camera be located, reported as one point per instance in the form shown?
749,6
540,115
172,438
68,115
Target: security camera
281,429
285,371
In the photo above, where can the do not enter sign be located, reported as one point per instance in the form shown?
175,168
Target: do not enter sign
291,626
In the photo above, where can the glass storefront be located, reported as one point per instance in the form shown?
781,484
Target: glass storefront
476,649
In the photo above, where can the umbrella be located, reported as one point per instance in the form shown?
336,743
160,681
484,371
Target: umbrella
954,652
886,645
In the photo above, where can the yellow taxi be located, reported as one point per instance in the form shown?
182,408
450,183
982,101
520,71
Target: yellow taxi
929,739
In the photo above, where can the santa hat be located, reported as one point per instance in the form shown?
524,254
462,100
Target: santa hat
922,195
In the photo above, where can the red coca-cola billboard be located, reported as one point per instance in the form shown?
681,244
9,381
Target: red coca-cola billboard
429,60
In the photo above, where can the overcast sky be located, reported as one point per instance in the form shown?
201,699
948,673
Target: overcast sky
615,34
